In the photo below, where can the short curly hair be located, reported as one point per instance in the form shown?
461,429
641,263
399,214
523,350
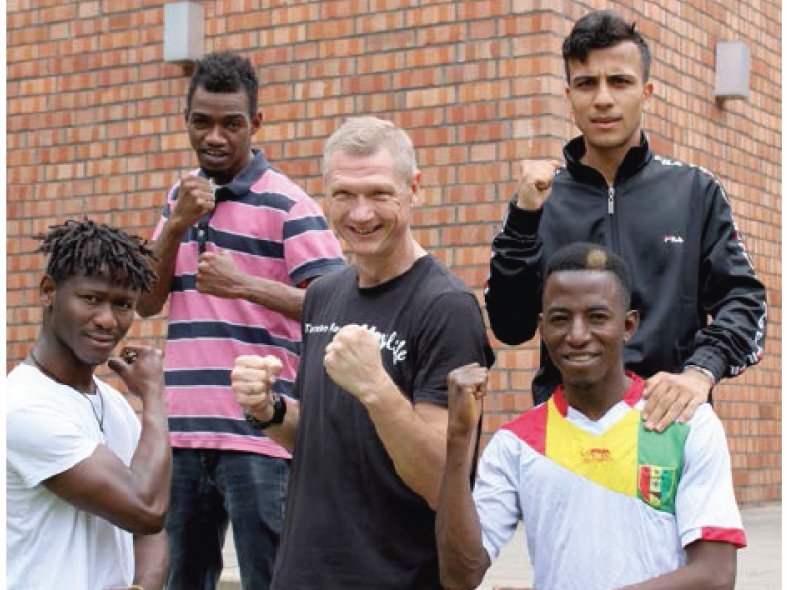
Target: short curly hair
587,256
225,72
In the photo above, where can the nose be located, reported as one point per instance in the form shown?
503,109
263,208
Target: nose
603,96
105,318
215,136
361,210
578,333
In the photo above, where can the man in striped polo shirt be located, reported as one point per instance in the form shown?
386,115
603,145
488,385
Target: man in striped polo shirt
606,503
237,244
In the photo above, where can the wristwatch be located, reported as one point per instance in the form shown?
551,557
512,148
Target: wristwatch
279,410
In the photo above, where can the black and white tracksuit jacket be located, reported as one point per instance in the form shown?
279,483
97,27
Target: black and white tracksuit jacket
673,226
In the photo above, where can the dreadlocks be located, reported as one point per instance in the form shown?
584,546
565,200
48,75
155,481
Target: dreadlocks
87,248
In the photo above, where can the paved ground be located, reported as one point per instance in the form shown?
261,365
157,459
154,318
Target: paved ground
759,564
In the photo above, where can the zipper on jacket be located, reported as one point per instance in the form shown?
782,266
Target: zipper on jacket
611,200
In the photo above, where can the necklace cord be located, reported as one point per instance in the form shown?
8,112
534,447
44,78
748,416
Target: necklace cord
95,390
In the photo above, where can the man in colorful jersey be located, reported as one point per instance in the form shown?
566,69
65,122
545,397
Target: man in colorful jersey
671,222
606,503
237,244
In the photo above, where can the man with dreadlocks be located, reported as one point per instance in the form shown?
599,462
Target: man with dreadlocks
87,486
237,244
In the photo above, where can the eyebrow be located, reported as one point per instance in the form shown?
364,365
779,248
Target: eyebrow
364,188
582,77
236,115
597,307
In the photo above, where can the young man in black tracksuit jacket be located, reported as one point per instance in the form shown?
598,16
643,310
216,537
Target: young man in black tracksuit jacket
671,222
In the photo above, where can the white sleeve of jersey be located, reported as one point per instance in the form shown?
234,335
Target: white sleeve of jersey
496,491
705,505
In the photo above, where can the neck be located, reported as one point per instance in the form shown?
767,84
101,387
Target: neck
373,271
224,178
57,366
594,400
606,163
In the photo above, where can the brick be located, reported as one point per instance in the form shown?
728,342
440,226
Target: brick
329,29
439,35
432,56
379,22
254,20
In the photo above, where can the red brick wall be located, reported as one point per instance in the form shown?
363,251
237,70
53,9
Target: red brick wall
95,126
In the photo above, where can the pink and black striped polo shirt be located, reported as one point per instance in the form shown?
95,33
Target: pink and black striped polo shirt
272,229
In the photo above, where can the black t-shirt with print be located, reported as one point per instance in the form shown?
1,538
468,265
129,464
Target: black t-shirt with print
351,521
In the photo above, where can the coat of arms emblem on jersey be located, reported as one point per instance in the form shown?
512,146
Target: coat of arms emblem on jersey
657,485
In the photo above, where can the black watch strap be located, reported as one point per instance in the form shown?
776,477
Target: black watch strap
279,410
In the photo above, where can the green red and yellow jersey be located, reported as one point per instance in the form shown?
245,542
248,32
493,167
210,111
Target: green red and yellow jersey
606,502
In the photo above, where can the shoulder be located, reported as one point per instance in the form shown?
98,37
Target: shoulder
529,427
274,182
26,388
437,280
705,418
329,283
522,437
678,169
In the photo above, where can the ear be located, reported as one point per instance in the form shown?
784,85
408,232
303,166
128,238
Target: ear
630,325
415,185
540,325
186,116
647,91
46,291
256,122
567,92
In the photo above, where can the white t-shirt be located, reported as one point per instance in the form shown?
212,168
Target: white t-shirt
50,428
605,503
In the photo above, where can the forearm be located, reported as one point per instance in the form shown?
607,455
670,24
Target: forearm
274,295
513,290
166,250
151,560
710,566
416,447
731,293
735,338
686,578
151,465
462,557
284,434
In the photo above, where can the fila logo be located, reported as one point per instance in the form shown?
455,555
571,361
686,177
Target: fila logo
669,239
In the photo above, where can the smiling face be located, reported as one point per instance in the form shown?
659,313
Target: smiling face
607,93
87,316
220,131
584,326
370,206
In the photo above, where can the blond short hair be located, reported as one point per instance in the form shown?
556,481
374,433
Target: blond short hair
365,136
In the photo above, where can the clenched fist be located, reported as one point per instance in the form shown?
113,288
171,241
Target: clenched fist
142,370
217,274
195,198
252,380
353,361
535,183
466,389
